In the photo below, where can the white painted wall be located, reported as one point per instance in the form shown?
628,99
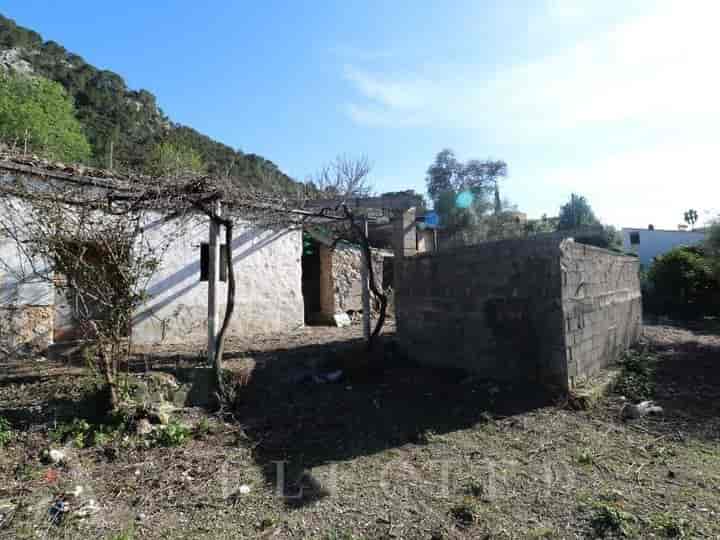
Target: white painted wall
268,272
18,286
657,242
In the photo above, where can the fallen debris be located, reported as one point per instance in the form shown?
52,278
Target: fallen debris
644,408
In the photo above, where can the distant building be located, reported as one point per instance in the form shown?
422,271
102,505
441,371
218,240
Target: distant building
649,243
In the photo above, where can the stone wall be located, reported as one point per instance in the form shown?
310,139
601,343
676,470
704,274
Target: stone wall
340,282
26,328
502,309
602,307
26,313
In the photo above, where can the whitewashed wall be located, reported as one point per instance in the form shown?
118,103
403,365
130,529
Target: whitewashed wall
657,242
26,300
268,272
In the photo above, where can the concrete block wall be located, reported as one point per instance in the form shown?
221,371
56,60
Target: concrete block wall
512,310
602,307
493,309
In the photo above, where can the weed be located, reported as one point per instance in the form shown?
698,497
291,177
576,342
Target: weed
83,434
636,376
5,432
173,434
203,428
585,457
670,526
126,534
609,519
465,513
78,431
476,489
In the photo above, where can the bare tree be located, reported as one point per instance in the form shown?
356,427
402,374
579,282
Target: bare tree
344,177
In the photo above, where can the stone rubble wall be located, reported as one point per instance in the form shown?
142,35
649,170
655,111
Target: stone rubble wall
26,328
340,278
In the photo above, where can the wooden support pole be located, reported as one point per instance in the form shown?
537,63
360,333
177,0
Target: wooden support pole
213,273
364,278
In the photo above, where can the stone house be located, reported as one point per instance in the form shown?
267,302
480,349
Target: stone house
268,271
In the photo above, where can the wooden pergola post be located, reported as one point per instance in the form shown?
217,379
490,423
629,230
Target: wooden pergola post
213,273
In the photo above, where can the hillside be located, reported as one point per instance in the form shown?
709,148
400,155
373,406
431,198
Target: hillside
131,120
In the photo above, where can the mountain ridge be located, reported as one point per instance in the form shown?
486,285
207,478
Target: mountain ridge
125,122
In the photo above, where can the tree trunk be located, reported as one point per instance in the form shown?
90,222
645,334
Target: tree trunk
229,305
365,244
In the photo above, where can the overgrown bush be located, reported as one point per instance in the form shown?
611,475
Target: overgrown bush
681,283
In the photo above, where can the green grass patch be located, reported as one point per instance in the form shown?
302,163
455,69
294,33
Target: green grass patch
173,434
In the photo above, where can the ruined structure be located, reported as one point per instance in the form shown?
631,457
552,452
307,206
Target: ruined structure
332,278
542,310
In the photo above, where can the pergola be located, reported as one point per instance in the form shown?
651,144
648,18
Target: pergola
222,201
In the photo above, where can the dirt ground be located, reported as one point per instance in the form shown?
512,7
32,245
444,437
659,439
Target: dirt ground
402,452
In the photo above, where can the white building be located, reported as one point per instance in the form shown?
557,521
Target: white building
649,243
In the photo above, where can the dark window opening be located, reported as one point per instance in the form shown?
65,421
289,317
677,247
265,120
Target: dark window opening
205,261
634,238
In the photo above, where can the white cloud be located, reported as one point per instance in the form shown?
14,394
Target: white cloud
657,65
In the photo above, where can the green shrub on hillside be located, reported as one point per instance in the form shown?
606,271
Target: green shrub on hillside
40,112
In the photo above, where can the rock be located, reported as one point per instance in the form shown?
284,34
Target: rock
160,413
342,320
88,509
180,397
54,456
143,427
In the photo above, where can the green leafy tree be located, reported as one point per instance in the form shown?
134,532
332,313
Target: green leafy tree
576,213
462,192
39,112
168,159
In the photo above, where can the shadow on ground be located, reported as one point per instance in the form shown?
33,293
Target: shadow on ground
292,418
688,379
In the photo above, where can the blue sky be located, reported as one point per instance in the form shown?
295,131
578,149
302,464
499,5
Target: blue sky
616,100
